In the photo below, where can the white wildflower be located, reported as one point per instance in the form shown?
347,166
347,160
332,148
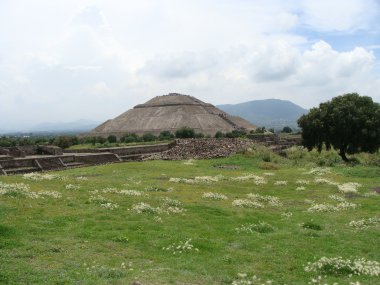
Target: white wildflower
319,171
308,201
197,179
302,182
181,247
243,279
337,198
338,265
365,223
21,189
109,190
286,215
39,176
260,227
189,162
342,206
157,219
171,206
281,183
144,208
245,203
325,181
350,187
99,199
52,194
130,192
109,205
271,200
81,178
214,196
258,180
72,187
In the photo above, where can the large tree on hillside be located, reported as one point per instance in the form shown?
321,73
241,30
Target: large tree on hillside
349,123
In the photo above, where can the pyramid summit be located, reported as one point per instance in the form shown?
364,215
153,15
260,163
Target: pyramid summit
170,113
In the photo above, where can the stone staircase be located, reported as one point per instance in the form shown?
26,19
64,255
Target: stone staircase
21,166
69,162
131,157
274,142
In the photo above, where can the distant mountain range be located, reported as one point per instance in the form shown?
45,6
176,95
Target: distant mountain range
75,126
269,113
54,128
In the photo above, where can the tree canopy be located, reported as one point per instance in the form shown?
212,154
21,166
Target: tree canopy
287,130
349,123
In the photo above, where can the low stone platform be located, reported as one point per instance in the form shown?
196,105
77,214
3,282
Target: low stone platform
37,163
73,158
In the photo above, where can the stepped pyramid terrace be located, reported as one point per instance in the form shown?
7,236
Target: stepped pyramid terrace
169,113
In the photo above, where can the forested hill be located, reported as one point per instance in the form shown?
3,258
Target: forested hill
271,113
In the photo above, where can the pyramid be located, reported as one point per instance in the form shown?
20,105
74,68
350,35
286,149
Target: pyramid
169,113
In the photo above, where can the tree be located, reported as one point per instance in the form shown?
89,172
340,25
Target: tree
219,135
130,138
236,133
112,139
287,130
185,132
100,140
165,135
349,123
148,137
63,141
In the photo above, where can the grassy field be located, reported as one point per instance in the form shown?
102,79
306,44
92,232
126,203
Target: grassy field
219,221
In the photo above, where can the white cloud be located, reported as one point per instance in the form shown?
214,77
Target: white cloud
73,59
340,15
182,65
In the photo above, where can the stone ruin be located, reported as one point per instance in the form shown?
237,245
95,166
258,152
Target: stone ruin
162,113
25,159
170,113
16,160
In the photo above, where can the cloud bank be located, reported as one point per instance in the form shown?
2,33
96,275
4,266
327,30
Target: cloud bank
95,59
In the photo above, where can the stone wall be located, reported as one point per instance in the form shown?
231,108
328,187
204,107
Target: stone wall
98,158
128,150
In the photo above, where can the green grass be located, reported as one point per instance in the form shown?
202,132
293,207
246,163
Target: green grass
72,240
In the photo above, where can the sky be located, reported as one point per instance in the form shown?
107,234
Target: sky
65,60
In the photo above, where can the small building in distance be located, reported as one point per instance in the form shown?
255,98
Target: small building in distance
170,113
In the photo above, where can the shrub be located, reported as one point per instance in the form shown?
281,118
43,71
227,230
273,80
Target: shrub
219,135
91,140
5,142
165,135
185,132
268,166
199,135
100,140
311,226
287,130
129,138
65,141
112,139
148,137
259,131
236,134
